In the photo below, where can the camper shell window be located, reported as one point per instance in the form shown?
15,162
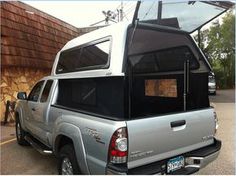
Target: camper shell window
101,96
94,55
156,69
183,14
170,59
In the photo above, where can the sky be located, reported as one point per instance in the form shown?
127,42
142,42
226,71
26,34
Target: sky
85,13
82,13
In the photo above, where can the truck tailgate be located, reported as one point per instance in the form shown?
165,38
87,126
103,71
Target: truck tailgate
156,138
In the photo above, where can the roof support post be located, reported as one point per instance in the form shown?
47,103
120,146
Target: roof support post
199,37
159,10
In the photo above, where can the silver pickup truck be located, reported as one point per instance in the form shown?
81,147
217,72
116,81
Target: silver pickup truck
124,99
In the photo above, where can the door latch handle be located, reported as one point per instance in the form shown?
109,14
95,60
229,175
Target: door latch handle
177,123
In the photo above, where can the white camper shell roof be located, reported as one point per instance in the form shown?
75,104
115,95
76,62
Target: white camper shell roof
118,33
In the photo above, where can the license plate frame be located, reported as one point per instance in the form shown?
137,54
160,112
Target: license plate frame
175,164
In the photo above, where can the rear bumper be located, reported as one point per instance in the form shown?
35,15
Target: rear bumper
194,161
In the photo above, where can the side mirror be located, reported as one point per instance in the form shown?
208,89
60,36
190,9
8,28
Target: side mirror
22,96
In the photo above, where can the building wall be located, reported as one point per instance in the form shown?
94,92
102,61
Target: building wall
29,43
31,40
17,79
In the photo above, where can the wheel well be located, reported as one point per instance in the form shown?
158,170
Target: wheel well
62,140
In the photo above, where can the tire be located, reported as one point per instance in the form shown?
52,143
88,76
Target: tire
67,160
20,134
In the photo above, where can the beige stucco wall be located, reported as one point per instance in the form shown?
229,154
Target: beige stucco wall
15,79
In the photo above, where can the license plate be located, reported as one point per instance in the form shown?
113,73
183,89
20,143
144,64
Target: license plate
175,164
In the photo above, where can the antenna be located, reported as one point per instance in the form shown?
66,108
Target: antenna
109,16
115,16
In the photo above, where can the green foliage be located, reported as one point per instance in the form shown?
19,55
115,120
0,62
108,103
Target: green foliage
218,42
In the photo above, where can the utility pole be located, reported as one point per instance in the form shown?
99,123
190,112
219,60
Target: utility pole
121,11
159,10
118,15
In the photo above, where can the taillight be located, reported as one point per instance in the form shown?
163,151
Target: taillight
216,122
118,149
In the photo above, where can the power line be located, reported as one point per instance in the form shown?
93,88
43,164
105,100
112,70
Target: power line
149,10
129,4
130,9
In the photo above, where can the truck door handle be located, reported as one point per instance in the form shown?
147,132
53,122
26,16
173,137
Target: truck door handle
177,123
33,109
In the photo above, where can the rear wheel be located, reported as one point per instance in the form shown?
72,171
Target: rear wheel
67,163
20,134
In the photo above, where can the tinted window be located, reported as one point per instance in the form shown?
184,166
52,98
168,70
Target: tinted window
34,94
68,61
186,13
84,93
171,59
163,94
46,91
102,96
89,57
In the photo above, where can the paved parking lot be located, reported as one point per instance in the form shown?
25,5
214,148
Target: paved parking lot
25,160
225,108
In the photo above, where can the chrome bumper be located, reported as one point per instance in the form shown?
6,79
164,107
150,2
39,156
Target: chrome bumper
200,162
194,161
190,162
